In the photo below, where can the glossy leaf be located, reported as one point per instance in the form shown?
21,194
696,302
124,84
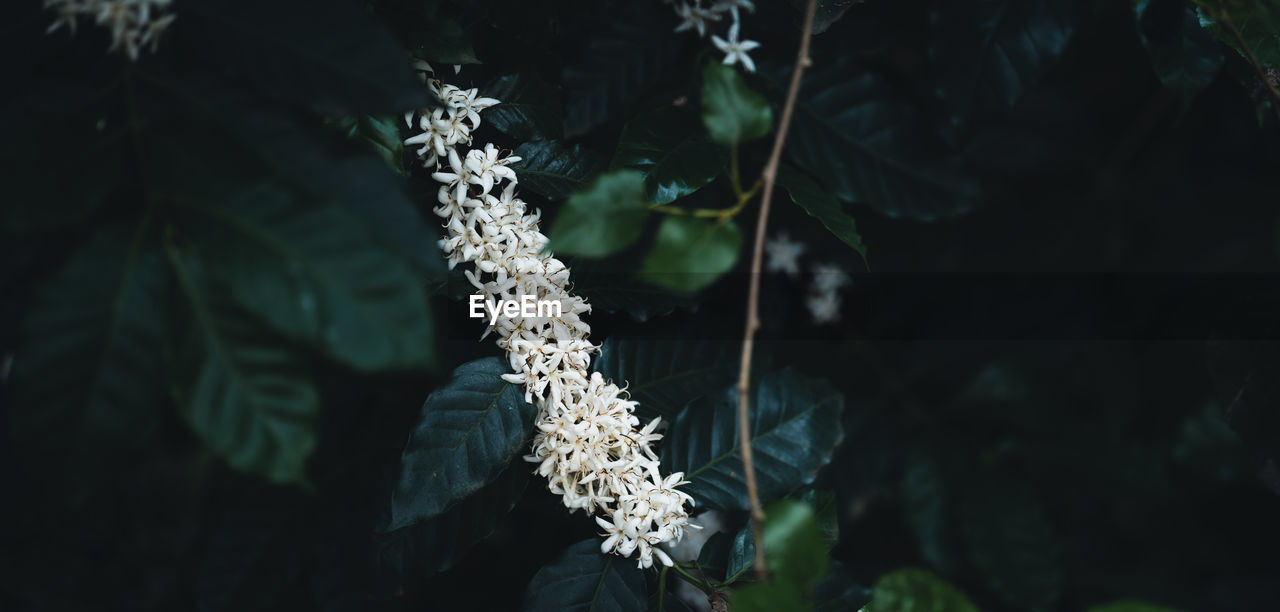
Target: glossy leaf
339,57
732,112
467,434
670,147
822,206
603,218
1184,56
989,53
529,108
243,391
918,589
795,427
584,579
84,388
868,145
438,543
665,375
553,170
691,253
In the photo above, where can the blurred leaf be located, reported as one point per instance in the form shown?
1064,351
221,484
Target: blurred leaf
467,434
253,553
1258,22
767,597
732,112
827,513
917,589
554,171
331,54
924,493
1183,55
381,132
669,145
740,551
84,387
691,253
821,205
837,591
244,392
603,218
665,375
828,12
1207,446
868,145
529,108
610,285
795,550
1129,606
582,578
794,430
1012,542
988,53
628,47
437,544
429,33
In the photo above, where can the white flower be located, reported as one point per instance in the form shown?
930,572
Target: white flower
824,307
736,51
694,17
829,278
783,255
134,24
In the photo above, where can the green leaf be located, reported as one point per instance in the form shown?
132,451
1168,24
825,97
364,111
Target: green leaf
244,392
730,110
671,148
84,387
665,375
437,544
329,54
584,579
741,555
795,550
529,108
603,218
911,590
826,510
313,269
740,551
989,53
691,253
554,171
821,205
1129,606
767,597
868,145
381,132
609,285
467,434
1012,543
1258,22
1185,57
795,427
925,501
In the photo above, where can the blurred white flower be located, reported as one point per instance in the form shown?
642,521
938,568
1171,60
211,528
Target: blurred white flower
783,255
824,307
134,24
694,16
828,277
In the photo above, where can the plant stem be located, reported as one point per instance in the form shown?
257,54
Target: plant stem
767,177
694,580
662,589
1225,17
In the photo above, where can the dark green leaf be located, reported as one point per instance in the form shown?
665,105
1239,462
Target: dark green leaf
584,579
741,550
821,205
714,556
467,434
988,53
85,386
732,112
794,549
741,555
795,427
827,512
670,146
554,171
1258,22
244,392
530,107
665,375
868,145
437,544
430,33
1012,543
603,218
327,53
838,592
767,597
911,590
691,253
924,493
381,132
1184,55
609,284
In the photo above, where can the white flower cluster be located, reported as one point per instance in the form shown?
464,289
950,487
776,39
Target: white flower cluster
823,301
134,24
589,445
695,16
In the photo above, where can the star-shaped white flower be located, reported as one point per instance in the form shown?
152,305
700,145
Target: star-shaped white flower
736,51
824,307
783,255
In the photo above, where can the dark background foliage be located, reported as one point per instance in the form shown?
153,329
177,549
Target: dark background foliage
1059,383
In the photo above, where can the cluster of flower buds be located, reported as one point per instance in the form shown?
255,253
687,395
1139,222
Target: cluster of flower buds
134,24
589,445
697,15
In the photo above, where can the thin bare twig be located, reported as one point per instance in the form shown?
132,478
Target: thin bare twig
753,296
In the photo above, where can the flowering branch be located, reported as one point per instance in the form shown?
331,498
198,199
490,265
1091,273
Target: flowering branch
1224,16
767,177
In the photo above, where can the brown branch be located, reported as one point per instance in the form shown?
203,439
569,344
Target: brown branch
753,296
